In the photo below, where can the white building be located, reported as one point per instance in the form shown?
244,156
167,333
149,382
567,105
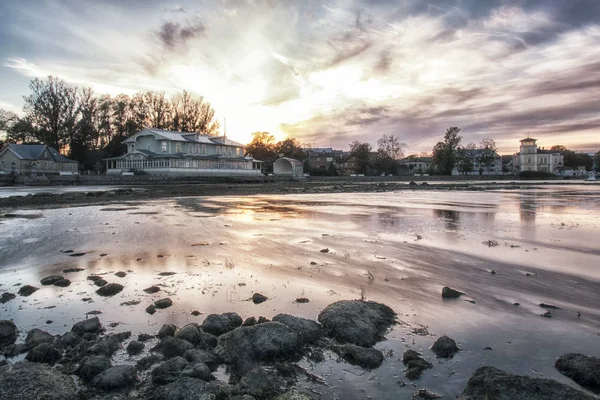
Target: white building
473,163
418,165
532,158
161,152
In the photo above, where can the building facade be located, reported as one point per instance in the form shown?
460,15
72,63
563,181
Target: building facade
472,163
532,158
324,158
161,152
418,165
32,159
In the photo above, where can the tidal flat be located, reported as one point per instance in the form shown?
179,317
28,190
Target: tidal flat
515,254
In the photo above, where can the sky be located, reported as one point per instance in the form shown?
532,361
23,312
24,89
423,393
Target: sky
330,72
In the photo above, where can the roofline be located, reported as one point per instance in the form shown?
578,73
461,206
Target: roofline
527,139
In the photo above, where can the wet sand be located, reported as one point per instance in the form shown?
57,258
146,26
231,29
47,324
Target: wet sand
399,248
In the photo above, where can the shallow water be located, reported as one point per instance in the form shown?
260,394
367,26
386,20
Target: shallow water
399,248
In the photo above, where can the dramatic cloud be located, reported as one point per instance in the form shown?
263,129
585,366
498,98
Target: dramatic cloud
332,71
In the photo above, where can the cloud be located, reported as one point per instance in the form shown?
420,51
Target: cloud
174,35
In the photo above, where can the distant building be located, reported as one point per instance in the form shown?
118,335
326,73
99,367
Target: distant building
476,166
418,165
161,152
34,159
324,157
532,158
351,165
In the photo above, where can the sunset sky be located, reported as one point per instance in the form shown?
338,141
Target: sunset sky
330,71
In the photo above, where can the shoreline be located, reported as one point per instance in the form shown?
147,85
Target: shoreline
46,200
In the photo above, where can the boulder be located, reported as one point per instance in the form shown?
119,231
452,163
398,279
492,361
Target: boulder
367,358
113,378
152,289
163,303
26,381
134,348
186,388
100,282
197,370
493,384
38,336
202,356
262,383
91,366
193,334
415,364
218,324
169,371
362,323
445,347
270,342
149,361
173,347
293,395
109,289
166,330
62,283
6,297
151,309
8,332
144,337
91,325
69,339
44,353
249,321
449,293
582,369
14,350
258,298
121,274
49,280
308,331
27,290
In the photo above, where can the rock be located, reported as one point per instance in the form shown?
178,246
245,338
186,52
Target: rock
166,330
493,384
293,395
249,321
62,283
218,324
445,347
69,270
412,183
38,336
134,348
262,383
271,341
100,282
144,337
197,337
549,306
152,289
15,349
195,313
148,361
91,366
547,314
121,274
169,371
106,346
6,297
163,303
261,320
130,303
113,378
8,332
28,381
27,290
49,280
449,293
582,369
202,356
425,394
110,289
91,325
324,250
367,358
44,353
93,277
362,323
415,364
197,370
172,347
186,388
307,330
258,298
301,300
151,309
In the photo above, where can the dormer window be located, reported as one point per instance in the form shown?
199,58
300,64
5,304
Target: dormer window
178,148
164,146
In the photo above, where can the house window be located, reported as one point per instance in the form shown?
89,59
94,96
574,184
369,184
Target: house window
203,149
1,164
528,160
178,148
164,146
148,147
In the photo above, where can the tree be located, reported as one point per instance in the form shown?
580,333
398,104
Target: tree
85,134
444,153
574,159
262,146
53,109
362,153
290,147
7,120
465,157
559,148
487,156
389,149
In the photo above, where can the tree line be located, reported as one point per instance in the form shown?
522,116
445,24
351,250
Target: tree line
87,127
